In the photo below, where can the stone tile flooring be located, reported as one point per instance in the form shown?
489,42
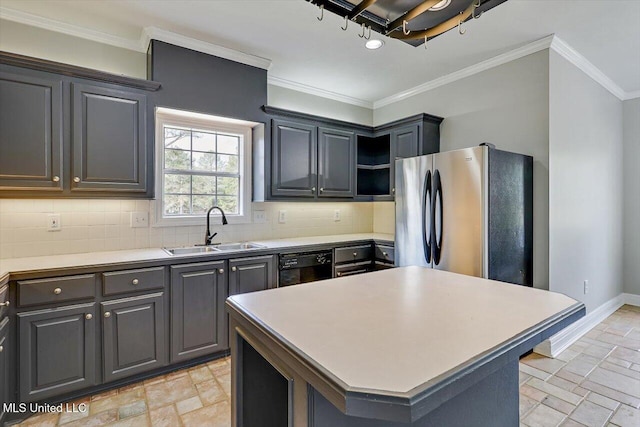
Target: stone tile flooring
595,382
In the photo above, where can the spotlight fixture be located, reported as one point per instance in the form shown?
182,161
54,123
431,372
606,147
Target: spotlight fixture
439,6
374,44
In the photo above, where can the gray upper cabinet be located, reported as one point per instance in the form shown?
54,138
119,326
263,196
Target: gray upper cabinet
109,139
294,159
252,274
198,319
30,132
404,141
57,351
133,336
336,163
4,366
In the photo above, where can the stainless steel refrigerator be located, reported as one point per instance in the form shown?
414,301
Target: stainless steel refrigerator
467,211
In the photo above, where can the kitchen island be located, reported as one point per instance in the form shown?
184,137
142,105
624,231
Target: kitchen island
407,346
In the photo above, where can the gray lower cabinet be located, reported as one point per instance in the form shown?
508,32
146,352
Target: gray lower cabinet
294,159
252,274
4,366
109,139
30,132
198,319
133,335
56,351
336,163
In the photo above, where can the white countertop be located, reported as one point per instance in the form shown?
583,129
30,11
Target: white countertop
397,329
54,262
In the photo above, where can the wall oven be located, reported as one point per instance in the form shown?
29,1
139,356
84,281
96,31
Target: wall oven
304,267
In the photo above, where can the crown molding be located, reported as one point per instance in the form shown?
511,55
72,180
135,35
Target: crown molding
582,63
288,84
632,95
154,33
69,29
504,58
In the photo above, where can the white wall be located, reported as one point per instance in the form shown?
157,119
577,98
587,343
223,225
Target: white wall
508,106
631,187
45,44
585,195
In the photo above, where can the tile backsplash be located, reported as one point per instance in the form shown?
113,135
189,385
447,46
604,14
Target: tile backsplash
104,225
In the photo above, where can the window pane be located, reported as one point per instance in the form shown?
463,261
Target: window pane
177,138
204,161
227,163
177,159
228,186
203,141
228,144
176,205
201,204
228,204
174,183
204,184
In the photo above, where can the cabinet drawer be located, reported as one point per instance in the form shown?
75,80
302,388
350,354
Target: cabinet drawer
57,289
385,253
355,268
353,254
120,282
4,297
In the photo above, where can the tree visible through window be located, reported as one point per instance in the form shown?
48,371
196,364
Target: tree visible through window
201,169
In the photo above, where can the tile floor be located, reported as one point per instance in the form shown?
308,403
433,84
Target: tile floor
595,382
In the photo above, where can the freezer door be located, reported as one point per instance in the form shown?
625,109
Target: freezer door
459,205
413,211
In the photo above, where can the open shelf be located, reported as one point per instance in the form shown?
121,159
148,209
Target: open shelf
375,167
374,151
373,182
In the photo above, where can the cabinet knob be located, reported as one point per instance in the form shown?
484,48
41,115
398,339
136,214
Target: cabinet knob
355,254
338,274
5,304
135,281
76,179
1,349
313,189
384,254
89,316
107,314
234,268
55,178
321,189
393,191
57,291
221,271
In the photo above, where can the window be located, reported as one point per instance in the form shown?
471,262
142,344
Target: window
203,161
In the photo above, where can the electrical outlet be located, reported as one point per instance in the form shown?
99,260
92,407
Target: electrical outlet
53,222
139,219
259,217
282,217
586,287
336,215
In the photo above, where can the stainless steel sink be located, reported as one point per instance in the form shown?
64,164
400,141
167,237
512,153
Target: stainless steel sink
191,250
238,246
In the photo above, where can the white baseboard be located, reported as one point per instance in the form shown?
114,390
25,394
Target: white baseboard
631,299
572,333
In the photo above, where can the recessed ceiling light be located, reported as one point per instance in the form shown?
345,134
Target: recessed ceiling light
439,6
374,44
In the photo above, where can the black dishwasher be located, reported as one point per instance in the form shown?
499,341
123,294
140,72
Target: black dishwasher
304,267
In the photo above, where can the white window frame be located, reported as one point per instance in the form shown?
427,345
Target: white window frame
170,117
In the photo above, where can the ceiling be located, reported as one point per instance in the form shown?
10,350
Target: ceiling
321,55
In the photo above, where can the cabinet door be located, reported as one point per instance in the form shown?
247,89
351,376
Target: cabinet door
404,143
294,159
198,320
109,140
133,336
30,132
252,274
4,366
57,351
336,163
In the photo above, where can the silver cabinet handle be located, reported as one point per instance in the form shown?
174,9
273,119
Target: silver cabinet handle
393,191
55,178
135,281
57,291
313,189
107,314
355,254
1,349
76,179
321,189
384,254
221,271
5,304
234,268
89,316
338,274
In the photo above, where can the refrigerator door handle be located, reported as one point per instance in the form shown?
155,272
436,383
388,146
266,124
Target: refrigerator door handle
427,217
438,218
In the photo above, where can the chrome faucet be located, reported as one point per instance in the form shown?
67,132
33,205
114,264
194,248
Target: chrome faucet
208,237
